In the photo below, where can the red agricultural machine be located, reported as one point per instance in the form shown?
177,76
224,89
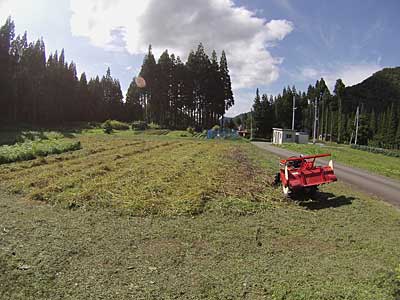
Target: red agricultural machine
302,174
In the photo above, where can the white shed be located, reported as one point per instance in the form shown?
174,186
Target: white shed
302,137
280,136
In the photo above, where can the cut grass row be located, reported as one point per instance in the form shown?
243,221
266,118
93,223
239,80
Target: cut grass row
372,162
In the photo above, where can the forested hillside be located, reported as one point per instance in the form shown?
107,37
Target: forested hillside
378,99
376,92
37,89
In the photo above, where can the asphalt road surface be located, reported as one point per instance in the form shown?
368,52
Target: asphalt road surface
383,187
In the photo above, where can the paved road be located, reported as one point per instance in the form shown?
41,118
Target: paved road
383,187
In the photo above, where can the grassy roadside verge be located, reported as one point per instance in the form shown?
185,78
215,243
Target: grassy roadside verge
372,162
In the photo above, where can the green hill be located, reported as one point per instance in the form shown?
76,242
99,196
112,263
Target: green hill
377,92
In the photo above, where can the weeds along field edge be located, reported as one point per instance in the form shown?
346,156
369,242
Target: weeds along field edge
32,149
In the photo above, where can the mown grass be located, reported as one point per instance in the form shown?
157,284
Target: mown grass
373,162
156,217
140,176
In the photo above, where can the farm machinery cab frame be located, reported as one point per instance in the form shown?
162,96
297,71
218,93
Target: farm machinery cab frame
302,174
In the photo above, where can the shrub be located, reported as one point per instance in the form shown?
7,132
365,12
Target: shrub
107,127
53,135
216,128
154,126
116,125
190,130
139,125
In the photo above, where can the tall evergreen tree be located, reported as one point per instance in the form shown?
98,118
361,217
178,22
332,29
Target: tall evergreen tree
226,79
148,72
134,103
6,68
339,91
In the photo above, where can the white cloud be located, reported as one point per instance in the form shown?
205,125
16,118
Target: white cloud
310,73
180,26
243,102
351,74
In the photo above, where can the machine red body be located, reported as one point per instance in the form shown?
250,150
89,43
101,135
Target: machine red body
301,173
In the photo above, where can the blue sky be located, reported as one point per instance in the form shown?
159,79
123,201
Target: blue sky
270,44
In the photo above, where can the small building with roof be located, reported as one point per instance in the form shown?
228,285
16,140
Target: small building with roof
281,136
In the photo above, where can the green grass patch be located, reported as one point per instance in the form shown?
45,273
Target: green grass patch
180,133
372,162
33,149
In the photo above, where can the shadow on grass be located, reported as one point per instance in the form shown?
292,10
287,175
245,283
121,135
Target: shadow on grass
321,200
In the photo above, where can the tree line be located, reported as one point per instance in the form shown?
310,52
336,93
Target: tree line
37,89
379,126
178,95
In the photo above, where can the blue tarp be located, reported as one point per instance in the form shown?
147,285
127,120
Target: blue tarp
222,134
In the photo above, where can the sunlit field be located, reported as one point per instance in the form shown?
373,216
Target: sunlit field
158,216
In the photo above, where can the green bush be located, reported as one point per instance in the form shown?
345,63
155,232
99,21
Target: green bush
32,149
190,130
386,152
216,128
154,126
107,127
116,125
139,125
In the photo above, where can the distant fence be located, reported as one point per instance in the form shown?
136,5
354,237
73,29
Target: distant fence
222,134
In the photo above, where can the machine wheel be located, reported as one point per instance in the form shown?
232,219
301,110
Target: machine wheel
277,179
313,191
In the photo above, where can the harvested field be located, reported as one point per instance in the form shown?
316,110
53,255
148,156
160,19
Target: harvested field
136,216
140,176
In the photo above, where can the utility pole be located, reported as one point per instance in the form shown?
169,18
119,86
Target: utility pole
315,119
357,118
356,125
294,109
331,132
251,124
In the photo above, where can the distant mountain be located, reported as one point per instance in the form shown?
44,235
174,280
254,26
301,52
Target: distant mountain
377,92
